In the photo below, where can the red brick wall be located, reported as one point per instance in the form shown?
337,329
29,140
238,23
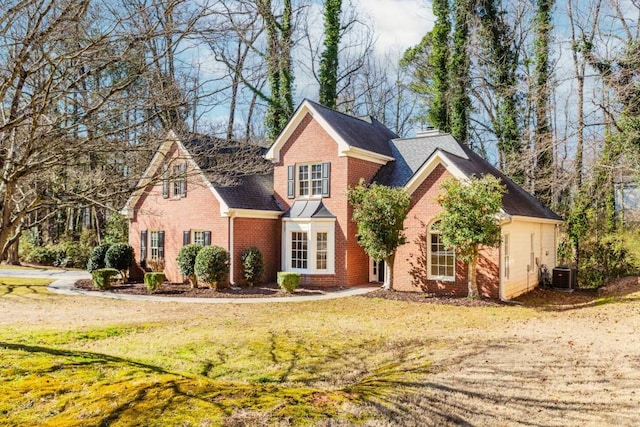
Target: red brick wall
410,272
265,235
311,143
199,210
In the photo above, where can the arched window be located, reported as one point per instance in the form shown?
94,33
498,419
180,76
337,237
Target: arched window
441,260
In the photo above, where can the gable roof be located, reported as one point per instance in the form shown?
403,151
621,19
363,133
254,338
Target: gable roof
414,155
233,190
365,133
367,139
254,192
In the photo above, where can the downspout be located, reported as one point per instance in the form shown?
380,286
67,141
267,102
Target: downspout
230,248
500,272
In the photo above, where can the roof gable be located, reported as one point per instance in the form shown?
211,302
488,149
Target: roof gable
417,157
243,192
365,139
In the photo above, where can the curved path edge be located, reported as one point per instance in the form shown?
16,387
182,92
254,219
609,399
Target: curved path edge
64,283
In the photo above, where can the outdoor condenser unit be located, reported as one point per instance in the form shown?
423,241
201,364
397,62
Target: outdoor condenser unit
564,278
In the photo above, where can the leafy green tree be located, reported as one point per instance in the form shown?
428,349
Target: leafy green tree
329,59
543,133
470,220
502,60
279,30
438,114
379,212
460,62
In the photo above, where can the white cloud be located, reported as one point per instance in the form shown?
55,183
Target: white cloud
398,24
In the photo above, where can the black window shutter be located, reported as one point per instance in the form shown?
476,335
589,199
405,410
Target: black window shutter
291,181
160,244
207,238
165,181
186,237
143,245
183,170
326,173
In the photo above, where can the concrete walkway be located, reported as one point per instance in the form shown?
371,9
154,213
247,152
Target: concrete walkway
64,283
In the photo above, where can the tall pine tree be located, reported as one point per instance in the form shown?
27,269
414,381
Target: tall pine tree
329,60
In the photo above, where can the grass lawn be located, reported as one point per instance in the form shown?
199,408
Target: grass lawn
79,361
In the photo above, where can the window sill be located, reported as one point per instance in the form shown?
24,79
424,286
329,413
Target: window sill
442,278
312,273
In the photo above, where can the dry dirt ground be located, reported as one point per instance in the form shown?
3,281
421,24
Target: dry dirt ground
574,361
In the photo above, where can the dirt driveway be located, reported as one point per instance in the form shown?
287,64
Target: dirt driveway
573,363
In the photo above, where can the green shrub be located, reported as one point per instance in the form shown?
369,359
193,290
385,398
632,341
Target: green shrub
288,281
154,280
119,256
102,277
211,266
604,259
96,257
73,254
252,264
43,255
187,260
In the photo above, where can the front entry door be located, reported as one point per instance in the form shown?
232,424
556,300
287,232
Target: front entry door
376,271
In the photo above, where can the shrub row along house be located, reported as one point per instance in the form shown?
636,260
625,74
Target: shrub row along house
299,217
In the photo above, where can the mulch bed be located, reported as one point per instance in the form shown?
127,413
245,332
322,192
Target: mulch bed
422,297
171,289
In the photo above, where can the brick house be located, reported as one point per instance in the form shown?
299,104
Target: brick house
299,216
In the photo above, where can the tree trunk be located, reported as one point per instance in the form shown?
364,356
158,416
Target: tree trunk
472,282
388,277
12,253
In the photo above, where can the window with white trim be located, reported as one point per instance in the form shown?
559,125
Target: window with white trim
174,184
299,250
308,180
441,259
156,244
179,180
198,237
321,250
309,247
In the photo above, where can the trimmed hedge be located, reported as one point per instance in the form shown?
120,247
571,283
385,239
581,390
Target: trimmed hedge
288,281
154,280
252,264
186,261
96,257
212,265
102,277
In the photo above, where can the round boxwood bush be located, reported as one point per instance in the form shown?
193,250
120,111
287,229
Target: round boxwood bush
187,260
119,256
212,264
102,277
288,281
252,264
96,257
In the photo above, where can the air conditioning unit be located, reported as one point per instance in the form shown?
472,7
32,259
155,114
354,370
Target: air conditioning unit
564,278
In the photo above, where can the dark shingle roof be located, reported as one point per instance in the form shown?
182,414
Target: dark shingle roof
250,192
370,134
412,153
238,171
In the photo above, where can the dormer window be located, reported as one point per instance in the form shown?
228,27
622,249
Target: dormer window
308,180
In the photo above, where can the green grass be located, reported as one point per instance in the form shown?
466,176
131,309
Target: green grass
23,286
294,364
